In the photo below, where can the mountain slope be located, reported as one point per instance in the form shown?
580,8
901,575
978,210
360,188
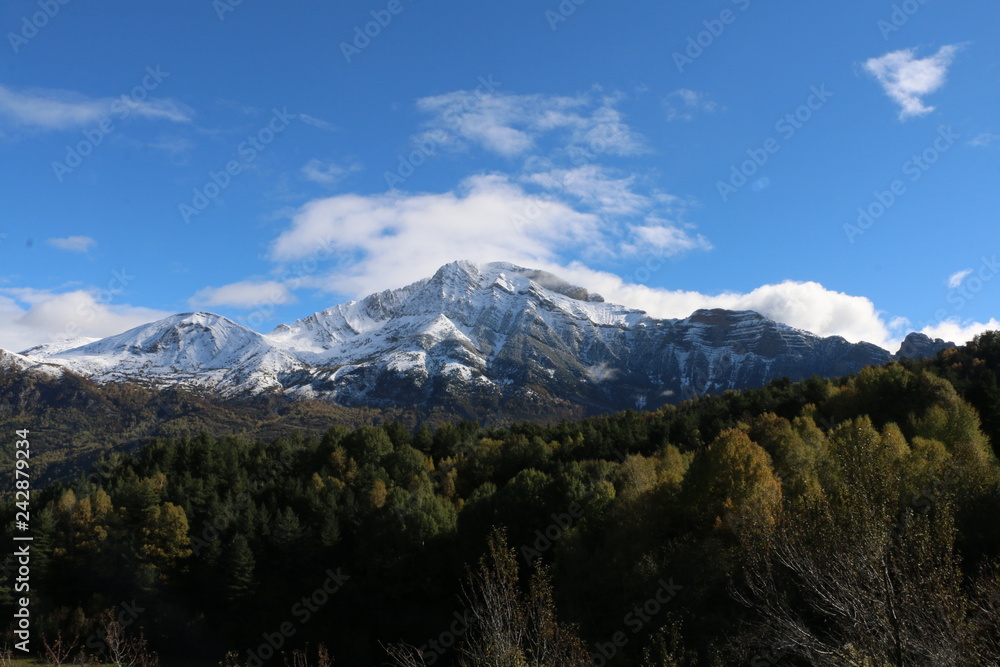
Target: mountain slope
480,340
23,364
190,349
497,333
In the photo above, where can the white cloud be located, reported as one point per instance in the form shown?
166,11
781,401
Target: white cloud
511,125
646,227
81,244
959,332
595,187
162,109
804,305
327,172
664,239
908,79
244,294
955,279
30,317
385,241
317,122
684,103
61,110
984,139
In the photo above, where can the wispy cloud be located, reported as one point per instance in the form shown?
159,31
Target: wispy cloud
908,79
643,218
512,125
663,238
984,139
328,172
684,104
595,187
318,122
81,244
956,279
45,109
245,294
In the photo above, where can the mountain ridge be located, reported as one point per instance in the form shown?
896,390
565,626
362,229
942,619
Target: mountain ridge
492,337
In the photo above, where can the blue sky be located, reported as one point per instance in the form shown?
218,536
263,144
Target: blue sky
832,165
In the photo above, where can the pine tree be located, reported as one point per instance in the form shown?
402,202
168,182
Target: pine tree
238,571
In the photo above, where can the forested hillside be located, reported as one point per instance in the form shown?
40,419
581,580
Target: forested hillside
825,522
75,420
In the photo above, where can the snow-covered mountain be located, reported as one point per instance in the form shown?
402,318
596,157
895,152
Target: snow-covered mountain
22,364
193,349
492,337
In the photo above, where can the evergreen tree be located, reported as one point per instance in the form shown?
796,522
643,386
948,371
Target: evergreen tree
238,566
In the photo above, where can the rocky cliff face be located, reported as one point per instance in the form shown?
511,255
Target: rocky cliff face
919,346
493,338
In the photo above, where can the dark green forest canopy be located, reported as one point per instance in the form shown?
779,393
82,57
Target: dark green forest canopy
755,527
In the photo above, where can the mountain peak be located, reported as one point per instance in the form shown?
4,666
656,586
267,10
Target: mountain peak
485,336
211,330
504,274
918,346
